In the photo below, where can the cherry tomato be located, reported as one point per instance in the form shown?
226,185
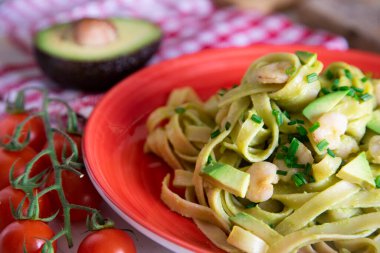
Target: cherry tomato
22,157
10,196
30,234
9,122
78,190
108,240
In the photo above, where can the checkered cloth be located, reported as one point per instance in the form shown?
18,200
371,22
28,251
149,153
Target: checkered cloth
189,26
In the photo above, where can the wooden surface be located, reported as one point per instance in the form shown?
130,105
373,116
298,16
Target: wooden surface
357,20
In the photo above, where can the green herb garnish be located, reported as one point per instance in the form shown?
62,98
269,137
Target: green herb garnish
299,179
312,77
250,205
348,74
365,96
330,152
293,147
314,127
215,133
227,125
179,110
325,91
290,71
343,88
322,145
377,182
286,114
282,172
278,115
256,118
301,130
357,89
329,74
335,84
351,93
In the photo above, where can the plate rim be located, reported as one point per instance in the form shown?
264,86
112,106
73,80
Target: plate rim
171,243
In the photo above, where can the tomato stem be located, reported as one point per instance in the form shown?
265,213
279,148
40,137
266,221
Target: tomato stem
72,120
28,184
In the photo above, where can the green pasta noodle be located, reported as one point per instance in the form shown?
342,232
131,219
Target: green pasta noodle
288,160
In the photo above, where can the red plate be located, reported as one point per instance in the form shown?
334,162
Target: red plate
130,180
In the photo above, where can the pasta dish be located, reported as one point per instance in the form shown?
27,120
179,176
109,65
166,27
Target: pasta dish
288,160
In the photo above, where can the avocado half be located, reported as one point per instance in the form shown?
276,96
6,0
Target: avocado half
94,54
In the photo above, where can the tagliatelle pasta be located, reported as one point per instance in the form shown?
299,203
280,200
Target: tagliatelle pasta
287,161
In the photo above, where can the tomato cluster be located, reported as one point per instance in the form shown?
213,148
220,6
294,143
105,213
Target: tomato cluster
21,230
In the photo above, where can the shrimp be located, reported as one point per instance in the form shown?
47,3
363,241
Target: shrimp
273,72
263,176
332,126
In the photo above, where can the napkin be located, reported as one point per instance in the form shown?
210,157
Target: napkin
189,26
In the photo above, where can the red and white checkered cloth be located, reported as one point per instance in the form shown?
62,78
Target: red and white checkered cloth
189,26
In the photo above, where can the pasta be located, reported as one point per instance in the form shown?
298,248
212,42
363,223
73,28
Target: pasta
287,161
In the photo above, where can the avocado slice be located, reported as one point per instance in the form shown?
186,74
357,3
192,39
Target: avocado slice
323,104
358,171
374,123
94,54
306,58
227,178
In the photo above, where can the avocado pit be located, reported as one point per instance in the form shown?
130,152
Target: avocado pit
92,32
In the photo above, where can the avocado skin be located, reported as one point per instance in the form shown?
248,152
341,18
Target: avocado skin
93,75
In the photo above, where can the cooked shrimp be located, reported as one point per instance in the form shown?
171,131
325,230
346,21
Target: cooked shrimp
374,148
348,146
263,176
273,72
332,126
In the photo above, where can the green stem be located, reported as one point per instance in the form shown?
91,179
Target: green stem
73,145
30,164
72,120
14,144
57,170
85,208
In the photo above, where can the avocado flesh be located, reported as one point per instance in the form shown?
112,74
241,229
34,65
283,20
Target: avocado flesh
96,68
306,58
323,105
374,123
358,171
227,178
